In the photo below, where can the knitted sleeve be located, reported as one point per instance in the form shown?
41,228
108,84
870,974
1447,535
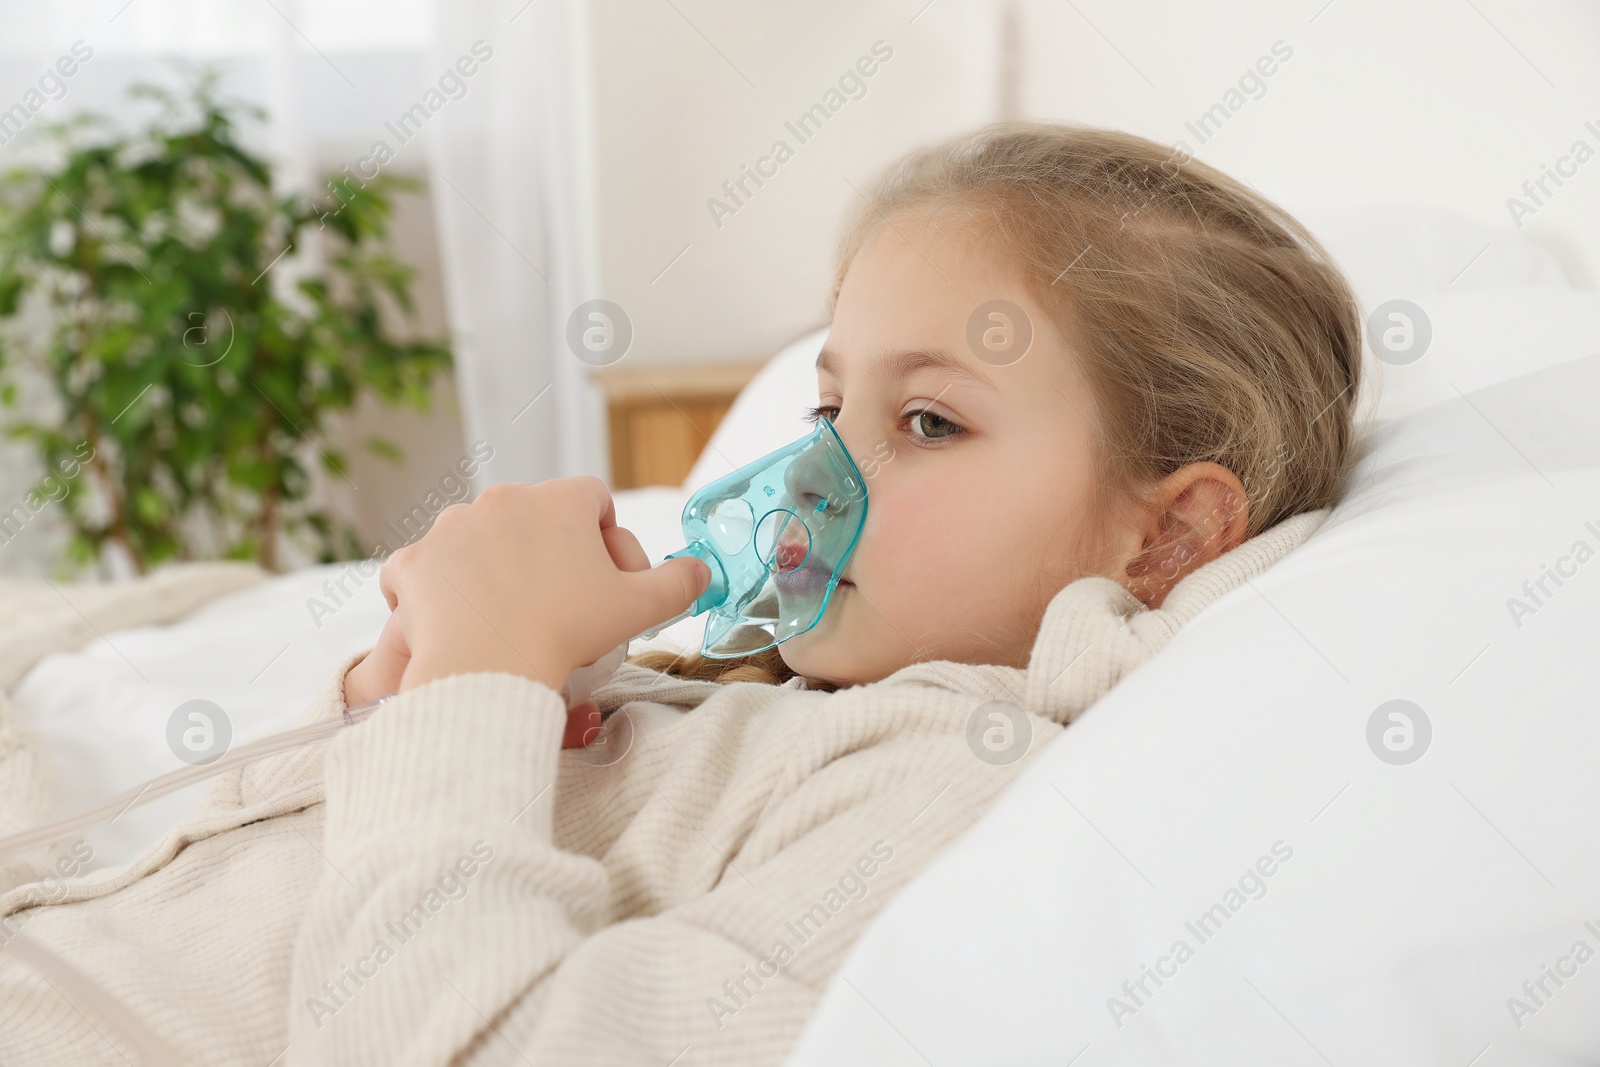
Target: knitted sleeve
445,899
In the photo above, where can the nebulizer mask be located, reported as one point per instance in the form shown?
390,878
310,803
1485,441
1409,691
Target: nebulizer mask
777,535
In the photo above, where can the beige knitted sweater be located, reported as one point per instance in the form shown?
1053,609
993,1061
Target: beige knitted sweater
444,884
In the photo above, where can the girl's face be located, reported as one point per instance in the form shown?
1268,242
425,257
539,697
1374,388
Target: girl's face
978,459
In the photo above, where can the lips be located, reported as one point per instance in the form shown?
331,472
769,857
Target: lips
796,574
806,580
789,555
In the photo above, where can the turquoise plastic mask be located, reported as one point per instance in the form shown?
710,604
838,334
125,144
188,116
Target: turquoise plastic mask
777,535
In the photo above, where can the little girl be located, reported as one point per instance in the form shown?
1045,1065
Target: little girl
1101,385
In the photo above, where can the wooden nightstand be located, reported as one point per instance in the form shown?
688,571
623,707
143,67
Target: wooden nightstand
661,417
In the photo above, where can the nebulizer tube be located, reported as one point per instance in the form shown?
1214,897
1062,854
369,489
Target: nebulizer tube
776,534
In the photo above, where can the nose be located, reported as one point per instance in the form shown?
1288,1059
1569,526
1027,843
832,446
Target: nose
806,478
822,478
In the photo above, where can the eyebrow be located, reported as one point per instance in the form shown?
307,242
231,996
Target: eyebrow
904,364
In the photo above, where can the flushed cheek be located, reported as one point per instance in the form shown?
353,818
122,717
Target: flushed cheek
899,527
917,550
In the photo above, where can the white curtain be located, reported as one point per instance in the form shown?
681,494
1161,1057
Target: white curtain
257,46
509,169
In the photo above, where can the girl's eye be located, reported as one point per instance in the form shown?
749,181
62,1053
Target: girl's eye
934,427
927,425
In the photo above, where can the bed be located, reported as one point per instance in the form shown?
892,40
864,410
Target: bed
1411,904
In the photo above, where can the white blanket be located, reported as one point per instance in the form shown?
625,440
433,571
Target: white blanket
41,617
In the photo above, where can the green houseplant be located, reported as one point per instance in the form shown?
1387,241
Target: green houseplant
136,278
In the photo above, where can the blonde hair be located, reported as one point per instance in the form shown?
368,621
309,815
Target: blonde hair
765,667
1211,325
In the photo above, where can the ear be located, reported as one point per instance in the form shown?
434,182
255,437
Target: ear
1196,514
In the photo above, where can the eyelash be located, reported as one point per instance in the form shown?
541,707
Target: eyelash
812,414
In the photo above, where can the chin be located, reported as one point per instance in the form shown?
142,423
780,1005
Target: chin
808,656
803,655
826,651
794,651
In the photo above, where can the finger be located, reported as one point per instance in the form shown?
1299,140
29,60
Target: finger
667,590
393,637
451,511
626,552
598,497
388,578
583,723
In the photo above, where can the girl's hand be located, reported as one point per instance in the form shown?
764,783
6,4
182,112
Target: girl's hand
583,725
529,579
379,672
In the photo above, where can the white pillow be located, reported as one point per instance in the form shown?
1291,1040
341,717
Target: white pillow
1412,250
1416,899
767,413
1461,341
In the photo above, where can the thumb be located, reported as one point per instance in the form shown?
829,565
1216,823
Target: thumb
670,588
583,723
